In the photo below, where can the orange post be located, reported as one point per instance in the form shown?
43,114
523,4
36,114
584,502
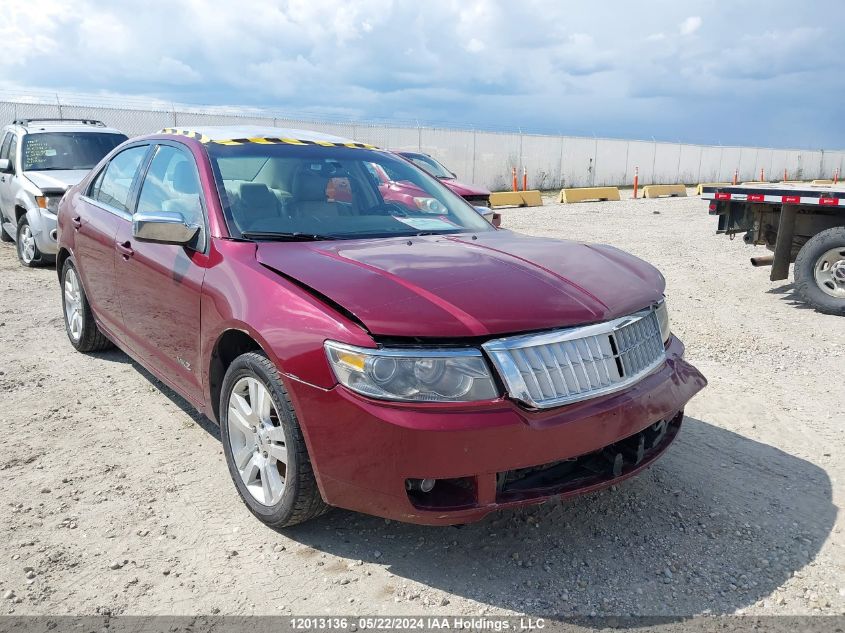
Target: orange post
785,176
736,176
762,175
836,175
524,179
636,180
514,179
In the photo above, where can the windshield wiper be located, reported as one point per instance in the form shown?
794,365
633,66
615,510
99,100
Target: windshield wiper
285,237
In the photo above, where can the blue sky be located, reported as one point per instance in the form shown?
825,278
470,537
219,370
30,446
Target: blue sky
738,72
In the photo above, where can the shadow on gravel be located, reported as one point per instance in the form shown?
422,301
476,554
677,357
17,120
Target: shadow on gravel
117,356
714,526
789,294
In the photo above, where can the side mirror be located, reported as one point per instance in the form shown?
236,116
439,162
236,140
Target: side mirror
6,166
486,213
165,227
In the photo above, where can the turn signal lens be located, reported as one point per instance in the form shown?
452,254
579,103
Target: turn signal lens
41,201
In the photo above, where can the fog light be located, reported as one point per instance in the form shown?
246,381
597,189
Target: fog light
420,485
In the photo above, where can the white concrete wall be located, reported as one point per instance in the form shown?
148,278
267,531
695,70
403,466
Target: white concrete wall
486,158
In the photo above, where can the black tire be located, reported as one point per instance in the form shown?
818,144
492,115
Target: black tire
4,237
300,500
804,271
37,258
90,338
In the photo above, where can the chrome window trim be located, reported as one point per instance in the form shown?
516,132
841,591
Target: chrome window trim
499,352
108,208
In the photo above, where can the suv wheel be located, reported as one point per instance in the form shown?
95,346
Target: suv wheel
28,252
264,447
81,329
820,271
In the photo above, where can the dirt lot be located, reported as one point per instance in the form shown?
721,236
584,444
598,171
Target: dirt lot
116,498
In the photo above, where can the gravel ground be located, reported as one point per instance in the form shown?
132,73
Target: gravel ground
116,498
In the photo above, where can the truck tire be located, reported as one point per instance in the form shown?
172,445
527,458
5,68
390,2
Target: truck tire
820,271
264,447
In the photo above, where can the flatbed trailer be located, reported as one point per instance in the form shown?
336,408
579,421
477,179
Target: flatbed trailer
800,223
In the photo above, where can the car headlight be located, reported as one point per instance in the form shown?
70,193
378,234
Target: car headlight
413,375
430,205
663,320
50,203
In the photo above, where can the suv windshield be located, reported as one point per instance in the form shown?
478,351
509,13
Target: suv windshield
44,151
429,164
309,191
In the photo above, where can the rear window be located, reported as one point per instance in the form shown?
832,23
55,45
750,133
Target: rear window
47,151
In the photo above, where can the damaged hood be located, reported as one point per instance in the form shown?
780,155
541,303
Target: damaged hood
61,179
456,286
463,189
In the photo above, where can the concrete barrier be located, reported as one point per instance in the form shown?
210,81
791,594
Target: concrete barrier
530,198
821,183
582,194
656,191
701,185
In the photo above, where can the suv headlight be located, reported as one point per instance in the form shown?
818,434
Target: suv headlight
50,203
663,319
413,375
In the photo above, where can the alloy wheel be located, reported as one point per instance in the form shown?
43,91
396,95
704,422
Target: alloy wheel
829,272
73,304
257,440
27,244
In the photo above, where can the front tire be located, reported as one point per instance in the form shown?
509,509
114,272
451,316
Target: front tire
264,447
4,237
80,326
28,252
820,271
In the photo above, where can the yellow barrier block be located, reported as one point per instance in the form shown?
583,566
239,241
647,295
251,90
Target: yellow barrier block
532,198
701,186
506,199
581,194
656,191
821,183
755,182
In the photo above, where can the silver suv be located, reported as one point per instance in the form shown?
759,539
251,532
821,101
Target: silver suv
39,160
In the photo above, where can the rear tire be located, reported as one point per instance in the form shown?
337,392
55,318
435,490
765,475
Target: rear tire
820,271
80,326
4,237
264,447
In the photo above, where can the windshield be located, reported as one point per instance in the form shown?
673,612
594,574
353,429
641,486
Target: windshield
319,192
66,150
429,164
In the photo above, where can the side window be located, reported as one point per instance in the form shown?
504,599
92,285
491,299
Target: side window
94,188
172,184
116,181
4,149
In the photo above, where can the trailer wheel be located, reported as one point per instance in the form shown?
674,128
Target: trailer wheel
820,271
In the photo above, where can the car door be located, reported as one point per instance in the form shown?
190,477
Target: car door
161,284
95,219
6,196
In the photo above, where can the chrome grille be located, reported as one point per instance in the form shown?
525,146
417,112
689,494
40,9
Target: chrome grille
555,368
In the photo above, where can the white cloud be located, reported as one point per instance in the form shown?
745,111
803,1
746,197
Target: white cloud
690,25
539,64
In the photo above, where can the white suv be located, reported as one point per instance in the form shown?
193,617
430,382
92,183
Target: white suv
39,160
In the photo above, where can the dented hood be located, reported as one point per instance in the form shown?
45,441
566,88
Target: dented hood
59,179
457,286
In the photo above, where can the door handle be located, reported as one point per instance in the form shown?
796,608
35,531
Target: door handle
125,249
76,221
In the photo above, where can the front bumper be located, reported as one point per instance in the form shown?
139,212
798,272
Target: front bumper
44,226
488,456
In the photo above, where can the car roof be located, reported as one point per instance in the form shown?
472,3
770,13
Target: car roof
36,126
242,134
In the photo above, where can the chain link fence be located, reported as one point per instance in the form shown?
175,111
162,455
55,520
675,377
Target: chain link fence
487,157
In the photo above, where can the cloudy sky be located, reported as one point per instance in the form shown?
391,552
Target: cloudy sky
706,71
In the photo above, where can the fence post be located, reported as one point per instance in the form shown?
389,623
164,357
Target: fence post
59,106
474,134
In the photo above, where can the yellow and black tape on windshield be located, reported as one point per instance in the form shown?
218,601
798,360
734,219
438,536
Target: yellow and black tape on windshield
269,140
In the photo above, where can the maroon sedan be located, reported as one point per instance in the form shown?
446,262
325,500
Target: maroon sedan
408,361
473,194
